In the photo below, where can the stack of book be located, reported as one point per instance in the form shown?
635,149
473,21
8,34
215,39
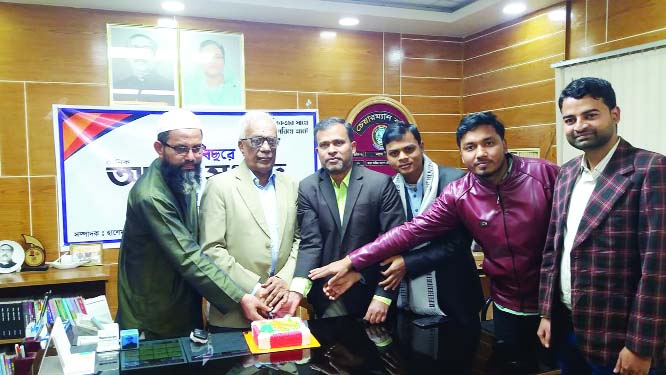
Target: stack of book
12,320
6,367
17,317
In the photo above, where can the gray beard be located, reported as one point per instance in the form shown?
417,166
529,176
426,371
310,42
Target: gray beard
190,182
181,182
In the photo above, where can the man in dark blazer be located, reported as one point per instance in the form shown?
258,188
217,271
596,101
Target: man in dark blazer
603,276
441,275
340,207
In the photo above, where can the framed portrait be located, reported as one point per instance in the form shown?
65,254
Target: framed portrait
90,254
12,256
143,65
212,69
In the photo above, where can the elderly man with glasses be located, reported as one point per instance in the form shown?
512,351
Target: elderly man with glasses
248,221
162,274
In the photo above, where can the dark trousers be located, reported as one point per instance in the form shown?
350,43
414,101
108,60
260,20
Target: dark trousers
517,340
569,357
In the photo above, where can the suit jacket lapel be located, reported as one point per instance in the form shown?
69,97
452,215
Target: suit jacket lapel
250,197
611,185
353,191
326,187
569,177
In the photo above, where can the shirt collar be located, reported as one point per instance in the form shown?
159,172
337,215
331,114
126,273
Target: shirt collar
271,180
602,164
345,181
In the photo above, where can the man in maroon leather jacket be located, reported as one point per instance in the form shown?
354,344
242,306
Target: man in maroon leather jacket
505,204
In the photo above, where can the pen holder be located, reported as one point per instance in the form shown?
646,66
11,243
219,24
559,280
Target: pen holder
23,366
31,345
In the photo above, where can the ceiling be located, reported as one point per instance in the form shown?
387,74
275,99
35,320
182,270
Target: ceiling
455,18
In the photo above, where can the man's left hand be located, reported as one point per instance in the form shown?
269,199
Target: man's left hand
630,363
275,289
394,273
376,312
253,308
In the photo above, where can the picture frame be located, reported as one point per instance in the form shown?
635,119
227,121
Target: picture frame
12,256
212,69
143,65
90,253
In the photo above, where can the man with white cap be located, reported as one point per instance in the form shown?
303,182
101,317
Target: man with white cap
162,273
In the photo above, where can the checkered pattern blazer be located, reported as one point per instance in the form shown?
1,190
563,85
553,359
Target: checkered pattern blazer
618,259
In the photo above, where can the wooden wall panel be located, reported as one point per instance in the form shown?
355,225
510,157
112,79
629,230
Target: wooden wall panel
430,86
275,55
542,113
440,123
549,45
430,105
440,141
270,99
596,22
576,45
537,92
509,35
307,100
532,136
13,146
445,158
392,63
15,218
432,49
40,98
44,210
511,76
627,24
626,18
338,105
431,68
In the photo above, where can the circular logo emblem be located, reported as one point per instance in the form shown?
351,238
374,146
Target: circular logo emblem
377,135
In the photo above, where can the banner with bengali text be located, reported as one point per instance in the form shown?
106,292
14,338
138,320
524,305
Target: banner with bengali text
102,151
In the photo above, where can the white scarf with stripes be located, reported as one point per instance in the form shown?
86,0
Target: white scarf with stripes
420,294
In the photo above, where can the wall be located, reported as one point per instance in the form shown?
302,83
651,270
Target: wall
599,26
507,71
58,55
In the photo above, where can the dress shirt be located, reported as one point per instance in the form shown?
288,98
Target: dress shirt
580,196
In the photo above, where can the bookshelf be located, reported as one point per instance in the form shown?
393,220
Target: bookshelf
84,281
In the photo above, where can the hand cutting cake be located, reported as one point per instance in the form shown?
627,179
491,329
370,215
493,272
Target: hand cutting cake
280,333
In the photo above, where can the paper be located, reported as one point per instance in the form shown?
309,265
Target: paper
98,308
71,363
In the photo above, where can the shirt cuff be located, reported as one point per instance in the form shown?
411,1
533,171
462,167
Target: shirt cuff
385,300
301,285
256,287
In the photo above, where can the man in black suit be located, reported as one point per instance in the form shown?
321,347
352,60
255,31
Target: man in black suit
438,277
340,207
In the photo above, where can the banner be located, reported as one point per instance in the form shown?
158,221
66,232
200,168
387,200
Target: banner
101,152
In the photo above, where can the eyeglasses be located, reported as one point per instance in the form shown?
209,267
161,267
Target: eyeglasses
257,142
184,150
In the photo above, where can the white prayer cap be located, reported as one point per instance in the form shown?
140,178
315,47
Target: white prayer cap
177,119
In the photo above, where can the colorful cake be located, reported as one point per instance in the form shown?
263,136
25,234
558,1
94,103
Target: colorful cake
280,333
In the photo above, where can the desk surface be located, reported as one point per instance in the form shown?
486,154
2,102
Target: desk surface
348,347
54,276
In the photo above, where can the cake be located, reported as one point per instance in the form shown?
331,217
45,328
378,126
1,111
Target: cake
280,333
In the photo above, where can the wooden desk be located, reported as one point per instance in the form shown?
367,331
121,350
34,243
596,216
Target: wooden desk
82,281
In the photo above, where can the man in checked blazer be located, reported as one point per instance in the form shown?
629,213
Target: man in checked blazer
603,276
